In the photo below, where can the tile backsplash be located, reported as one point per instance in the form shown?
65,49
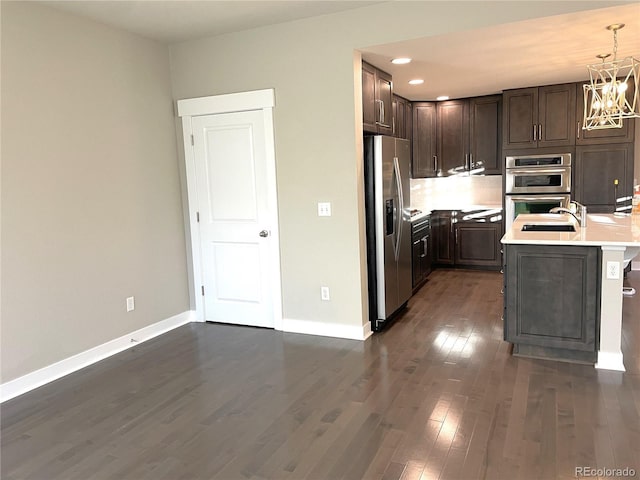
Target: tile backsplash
456,192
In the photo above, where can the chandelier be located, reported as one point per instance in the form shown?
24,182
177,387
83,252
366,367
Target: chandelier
612,94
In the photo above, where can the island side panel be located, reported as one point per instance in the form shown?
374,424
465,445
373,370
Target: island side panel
552,301
610,349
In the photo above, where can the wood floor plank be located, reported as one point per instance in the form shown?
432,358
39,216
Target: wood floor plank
436,395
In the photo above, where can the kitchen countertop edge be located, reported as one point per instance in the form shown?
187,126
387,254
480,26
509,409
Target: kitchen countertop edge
601,230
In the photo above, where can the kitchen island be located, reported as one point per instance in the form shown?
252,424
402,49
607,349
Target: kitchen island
563,289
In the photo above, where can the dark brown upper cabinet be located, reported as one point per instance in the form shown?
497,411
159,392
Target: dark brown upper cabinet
625,134
401,117
485,134
602,174
377,104
540,117
457,136
424,140
453,137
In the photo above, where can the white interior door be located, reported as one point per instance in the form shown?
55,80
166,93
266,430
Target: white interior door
235,215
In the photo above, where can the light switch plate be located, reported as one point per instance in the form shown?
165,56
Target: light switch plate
324,209
324,294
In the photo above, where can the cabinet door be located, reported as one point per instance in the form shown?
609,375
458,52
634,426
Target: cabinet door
602,136
426,258
408,121
485,134
556,115
424,140
520,117
384,97
552,297
442,230
416,261
453,136
477,244
596,169
399,116
369,107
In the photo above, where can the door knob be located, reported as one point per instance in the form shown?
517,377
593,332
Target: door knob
264,233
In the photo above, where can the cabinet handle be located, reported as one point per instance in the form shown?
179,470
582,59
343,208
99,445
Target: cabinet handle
535,131
435,164
578,132
393,123
424,247
470,161
456,236
380,120
540,132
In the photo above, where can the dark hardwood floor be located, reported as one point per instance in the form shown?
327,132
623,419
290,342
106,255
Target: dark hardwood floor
437,395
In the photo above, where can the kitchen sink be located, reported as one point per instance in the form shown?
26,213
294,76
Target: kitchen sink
548,227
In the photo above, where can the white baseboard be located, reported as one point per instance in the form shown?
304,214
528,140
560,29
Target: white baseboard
71,364
337,330
610,361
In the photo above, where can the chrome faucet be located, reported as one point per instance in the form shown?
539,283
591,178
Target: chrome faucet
581,217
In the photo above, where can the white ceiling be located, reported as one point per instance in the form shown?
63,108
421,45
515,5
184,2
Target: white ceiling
170,21
462,64
541,51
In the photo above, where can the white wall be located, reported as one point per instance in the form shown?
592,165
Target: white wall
91,209
310,63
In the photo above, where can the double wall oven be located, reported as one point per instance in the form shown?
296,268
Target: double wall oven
536,184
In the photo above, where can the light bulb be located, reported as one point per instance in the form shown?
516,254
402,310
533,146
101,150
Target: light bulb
622,87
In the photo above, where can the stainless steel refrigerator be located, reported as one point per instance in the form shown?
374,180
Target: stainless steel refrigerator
386,167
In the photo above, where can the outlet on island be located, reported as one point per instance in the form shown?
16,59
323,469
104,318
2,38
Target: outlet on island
613,270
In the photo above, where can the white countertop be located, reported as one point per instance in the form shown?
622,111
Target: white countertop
461,206
601,230
466,208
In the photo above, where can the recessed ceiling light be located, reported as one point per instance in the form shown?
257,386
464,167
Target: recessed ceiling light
442,97
417,81
401,61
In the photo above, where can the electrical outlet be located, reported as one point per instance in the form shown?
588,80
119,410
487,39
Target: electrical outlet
324,209
324,294
131,304
613,270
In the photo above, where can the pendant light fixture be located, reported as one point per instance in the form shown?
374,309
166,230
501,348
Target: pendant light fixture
612,94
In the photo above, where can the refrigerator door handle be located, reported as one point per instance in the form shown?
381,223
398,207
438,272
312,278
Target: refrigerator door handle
396,168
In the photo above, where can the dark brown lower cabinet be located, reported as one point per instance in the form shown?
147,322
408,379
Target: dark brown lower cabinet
478,244
552,301
461,242
443,239
421,251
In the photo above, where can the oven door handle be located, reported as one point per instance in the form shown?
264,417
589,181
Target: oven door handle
537,171
537,198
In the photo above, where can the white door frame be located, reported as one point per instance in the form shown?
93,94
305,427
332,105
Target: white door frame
235,102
